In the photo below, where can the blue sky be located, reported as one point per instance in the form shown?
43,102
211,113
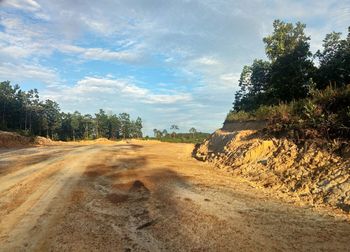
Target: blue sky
170,62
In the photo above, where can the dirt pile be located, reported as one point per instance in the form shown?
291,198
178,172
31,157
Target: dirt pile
12,139
43,141
308,172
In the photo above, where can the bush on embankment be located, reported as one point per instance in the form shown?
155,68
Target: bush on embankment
325,114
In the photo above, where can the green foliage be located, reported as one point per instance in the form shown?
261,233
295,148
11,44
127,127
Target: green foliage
285,39
290,74
334,61
23,112
193,137
326,113
239,116
253,85
290,92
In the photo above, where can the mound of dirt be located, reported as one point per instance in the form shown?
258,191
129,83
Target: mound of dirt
309,172
11,139
43,141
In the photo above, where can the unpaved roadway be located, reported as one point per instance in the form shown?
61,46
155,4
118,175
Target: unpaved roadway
146,196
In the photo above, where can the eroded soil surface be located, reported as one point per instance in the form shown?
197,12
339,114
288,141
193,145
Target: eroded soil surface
146,196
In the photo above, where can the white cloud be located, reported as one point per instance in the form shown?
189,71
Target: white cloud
90,87
207,61
230,78
29,5
22,72
103,54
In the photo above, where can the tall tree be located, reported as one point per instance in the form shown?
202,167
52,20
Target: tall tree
193,131
75,122
285,39
334,61
102,124
114,126
138,127
52,117
125,124
292,68
175,128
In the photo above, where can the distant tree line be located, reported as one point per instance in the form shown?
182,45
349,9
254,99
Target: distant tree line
193,136
192,133
290,72
24,111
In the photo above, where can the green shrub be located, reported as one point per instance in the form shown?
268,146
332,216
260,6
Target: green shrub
326,113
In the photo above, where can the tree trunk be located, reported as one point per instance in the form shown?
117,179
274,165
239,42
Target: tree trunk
3,115
25,119
30,120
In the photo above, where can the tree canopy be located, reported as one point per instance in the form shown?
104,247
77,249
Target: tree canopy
290,72
24,111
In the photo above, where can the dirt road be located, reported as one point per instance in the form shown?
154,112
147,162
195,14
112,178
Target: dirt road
146,196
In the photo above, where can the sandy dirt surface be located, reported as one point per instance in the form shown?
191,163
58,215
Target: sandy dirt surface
146,196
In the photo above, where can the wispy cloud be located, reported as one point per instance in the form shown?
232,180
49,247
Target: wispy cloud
90,87
29,5
197,47
23,72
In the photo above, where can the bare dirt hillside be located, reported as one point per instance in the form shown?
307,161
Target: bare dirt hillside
310,173
9,139
12,139
146,196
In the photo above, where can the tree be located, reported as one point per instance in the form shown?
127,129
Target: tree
52,117
102,124
7,96
244,84
157,133
254,86
289,50
74,123
193,131
125,124
285,77
114,126
285,39
334,61
23,110
138,127
88,121
164,132
174,127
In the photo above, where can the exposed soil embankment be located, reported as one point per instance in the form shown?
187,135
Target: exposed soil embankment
309,172
11,139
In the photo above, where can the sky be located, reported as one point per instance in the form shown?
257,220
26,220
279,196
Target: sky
167,61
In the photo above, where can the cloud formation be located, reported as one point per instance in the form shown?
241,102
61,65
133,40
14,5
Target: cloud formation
174,61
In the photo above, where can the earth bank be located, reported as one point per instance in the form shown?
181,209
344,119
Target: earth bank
310,172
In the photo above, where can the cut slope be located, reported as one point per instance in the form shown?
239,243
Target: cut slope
310,172
12,139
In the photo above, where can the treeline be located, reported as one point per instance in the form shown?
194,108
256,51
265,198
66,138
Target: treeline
193,136
299,94
290,73
24,111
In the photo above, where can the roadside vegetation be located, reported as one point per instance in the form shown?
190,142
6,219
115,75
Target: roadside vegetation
25,113
298,93
193,136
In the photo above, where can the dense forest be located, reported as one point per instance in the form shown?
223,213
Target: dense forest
24,112
295,88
